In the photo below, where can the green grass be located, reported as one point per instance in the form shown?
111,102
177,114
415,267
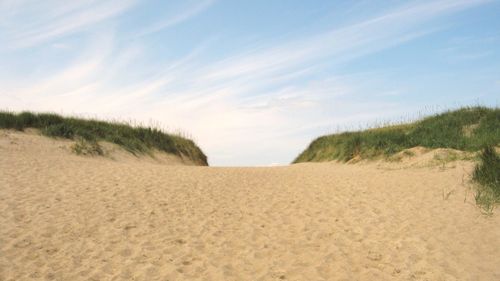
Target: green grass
136,140
467,129
487,175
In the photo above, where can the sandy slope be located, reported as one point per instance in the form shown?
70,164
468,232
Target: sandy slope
67,217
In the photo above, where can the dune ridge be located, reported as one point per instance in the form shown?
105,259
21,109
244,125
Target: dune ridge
89,133
465,129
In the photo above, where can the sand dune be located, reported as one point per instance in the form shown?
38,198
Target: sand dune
68,217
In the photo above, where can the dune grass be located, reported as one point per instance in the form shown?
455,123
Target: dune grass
467,129
133,139
487,175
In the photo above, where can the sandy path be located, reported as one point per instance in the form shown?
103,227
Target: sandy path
66,217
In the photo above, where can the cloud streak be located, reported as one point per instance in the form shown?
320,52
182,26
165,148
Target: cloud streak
62,19
371,35
176,19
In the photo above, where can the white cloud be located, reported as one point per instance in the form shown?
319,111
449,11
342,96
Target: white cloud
176,19
345,43
53,19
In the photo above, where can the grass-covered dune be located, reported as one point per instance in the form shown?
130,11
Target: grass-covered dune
134,139
468,129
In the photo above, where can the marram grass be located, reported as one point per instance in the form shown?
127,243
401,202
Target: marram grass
487,175
467,129
134,139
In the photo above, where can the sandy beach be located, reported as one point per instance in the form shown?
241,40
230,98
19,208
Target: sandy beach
69,217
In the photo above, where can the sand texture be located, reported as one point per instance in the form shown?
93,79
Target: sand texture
69,217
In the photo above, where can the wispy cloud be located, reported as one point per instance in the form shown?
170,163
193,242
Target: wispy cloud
176,19
392,28
60,19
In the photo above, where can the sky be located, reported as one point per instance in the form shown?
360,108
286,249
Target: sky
251,82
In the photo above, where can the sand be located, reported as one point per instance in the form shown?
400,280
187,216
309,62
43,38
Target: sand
69,217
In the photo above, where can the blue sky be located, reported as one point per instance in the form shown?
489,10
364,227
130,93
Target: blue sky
252,82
